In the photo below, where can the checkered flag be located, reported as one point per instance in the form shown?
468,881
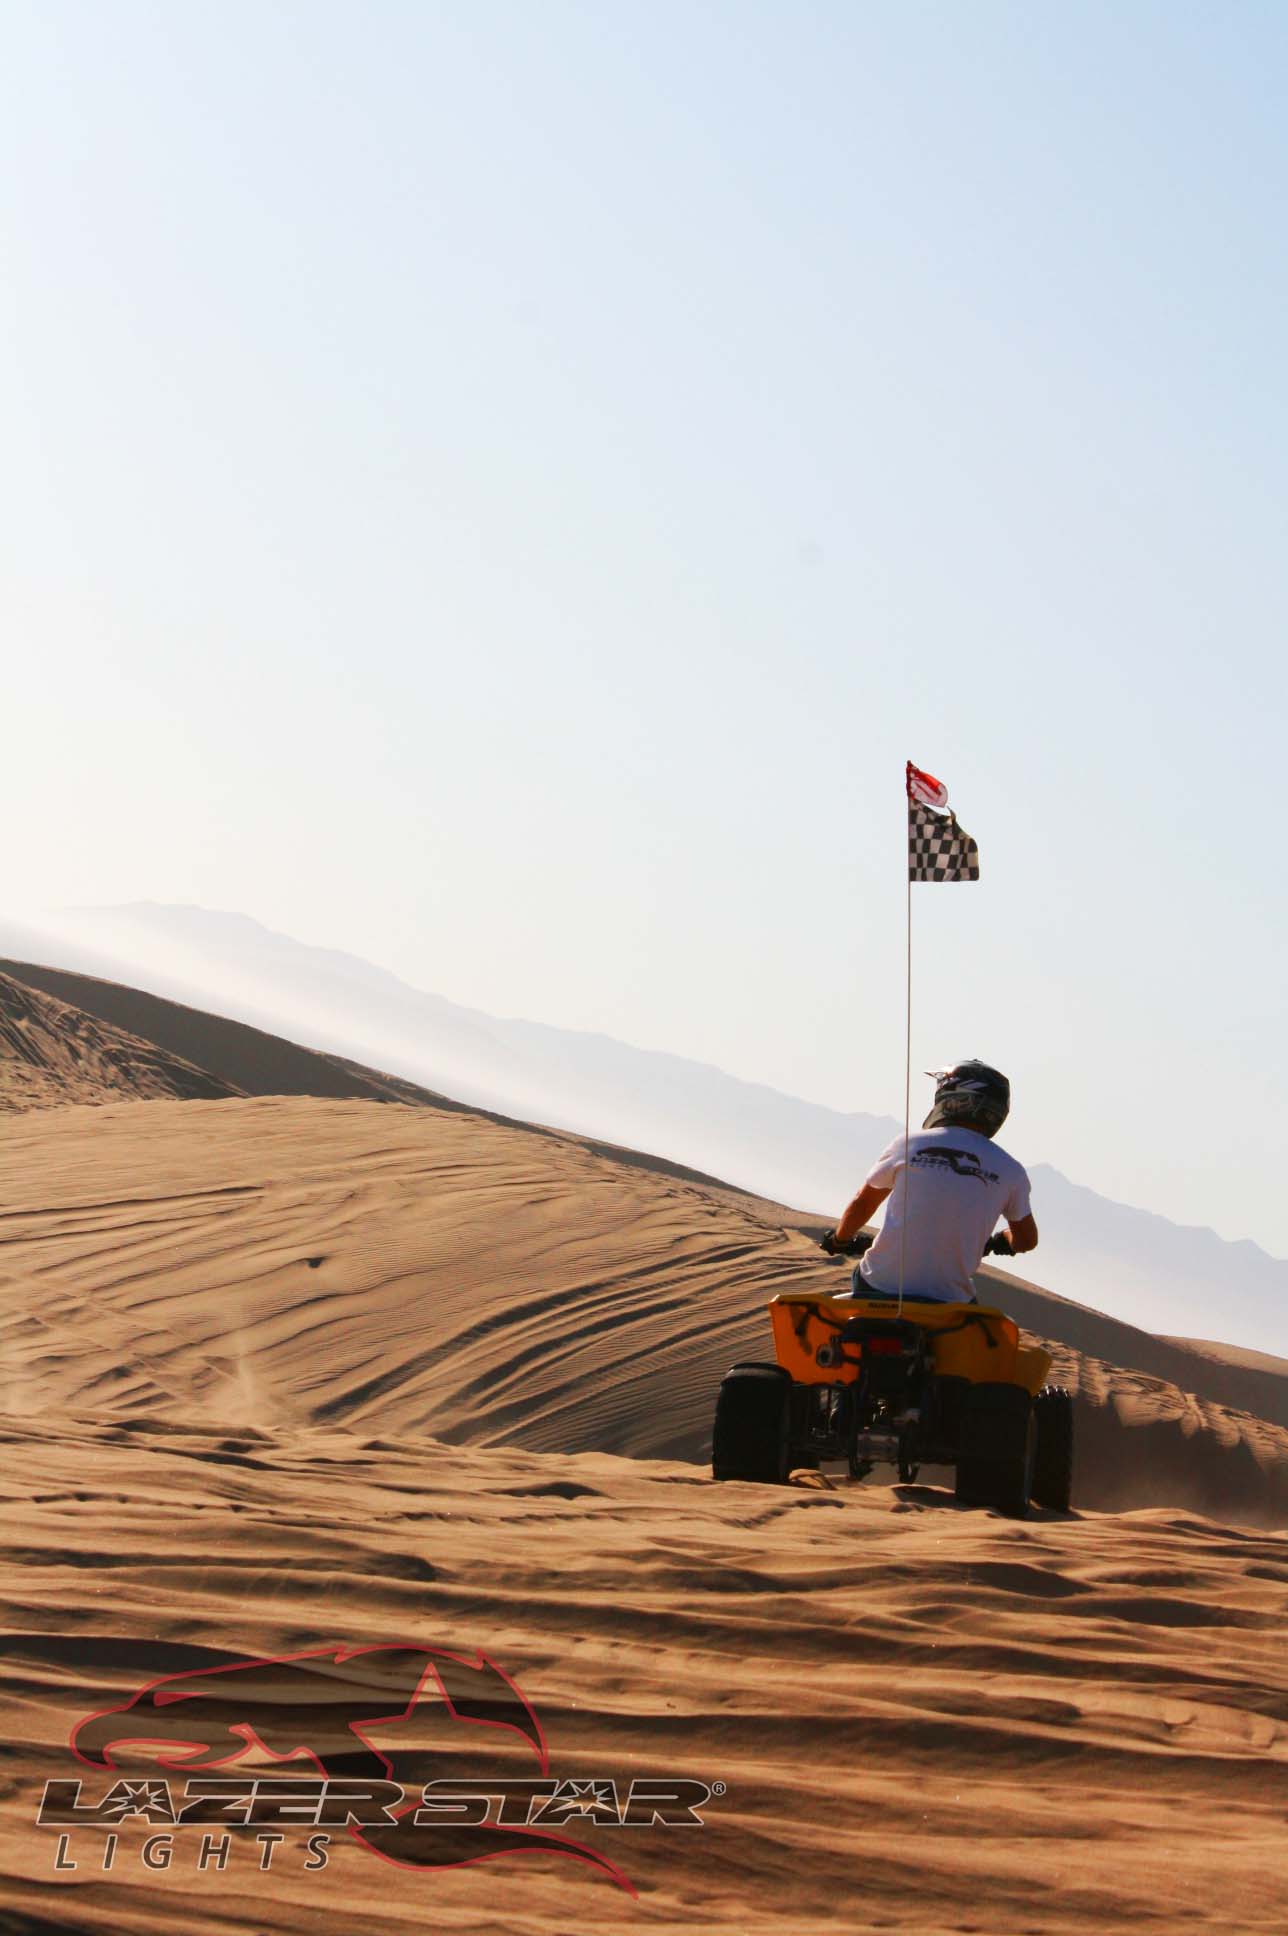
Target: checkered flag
938,849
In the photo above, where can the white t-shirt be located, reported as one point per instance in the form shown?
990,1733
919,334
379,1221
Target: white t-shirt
961,1184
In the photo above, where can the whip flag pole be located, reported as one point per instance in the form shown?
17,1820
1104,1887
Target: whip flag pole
938,850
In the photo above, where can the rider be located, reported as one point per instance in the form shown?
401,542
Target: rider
962,1182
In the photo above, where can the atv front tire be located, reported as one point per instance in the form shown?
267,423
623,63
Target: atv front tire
750,1439
1053,1459
998,1442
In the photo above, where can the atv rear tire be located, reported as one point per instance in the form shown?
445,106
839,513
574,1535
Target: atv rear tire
995,1463
1053,1459
750,1439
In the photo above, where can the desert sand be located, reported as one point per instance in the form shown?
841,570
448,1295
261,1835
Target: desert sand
287,1373
52,1052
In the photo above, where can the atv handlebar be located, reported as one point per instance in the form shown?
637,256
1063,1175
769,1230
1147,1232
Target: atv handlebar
845,1247
998,1245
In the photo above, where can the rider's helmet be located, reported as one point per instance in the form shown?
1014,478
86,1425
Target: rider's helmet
969,1095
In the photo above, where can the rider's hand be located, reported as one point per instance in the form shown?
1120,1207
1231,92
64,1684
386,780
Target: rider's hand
827,1242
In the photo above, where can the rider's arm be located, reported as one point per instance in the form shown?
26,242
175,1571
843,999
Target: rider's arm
859,1209
1023,1234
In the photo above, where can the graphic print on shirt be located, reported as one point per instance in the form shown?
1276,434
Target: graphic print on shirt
960,1162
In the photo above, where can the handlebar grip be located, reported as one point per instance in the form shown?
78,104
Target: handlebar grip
999,1245
849,1247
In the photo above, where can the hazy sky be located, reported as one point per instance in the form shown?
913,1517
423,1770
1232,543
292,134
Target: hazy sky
502,488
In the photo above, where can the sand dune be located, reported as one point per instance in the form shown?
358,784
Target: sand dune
241,1060
253,1062
394,1269
400,1268
281,1374
1104,1253
52,1053
1263,1362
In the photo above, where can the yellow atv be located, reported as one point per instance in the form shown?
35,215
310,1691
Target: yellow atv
857,1379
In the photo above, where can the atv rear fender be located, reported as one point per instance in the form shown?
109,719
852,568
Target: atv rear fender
971,1341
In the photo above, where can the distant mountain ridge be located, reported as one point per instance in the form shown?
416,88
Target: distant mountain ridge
1132,1264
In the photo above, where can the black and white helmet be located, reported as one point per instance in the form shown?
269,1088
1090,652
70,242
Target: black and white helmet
970,1095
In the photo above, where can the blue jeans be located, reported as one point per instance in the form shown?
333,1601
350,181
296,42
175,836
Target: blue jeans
859,1287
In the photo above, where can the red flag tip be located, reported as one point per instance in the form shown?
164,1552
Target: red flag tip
925,787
